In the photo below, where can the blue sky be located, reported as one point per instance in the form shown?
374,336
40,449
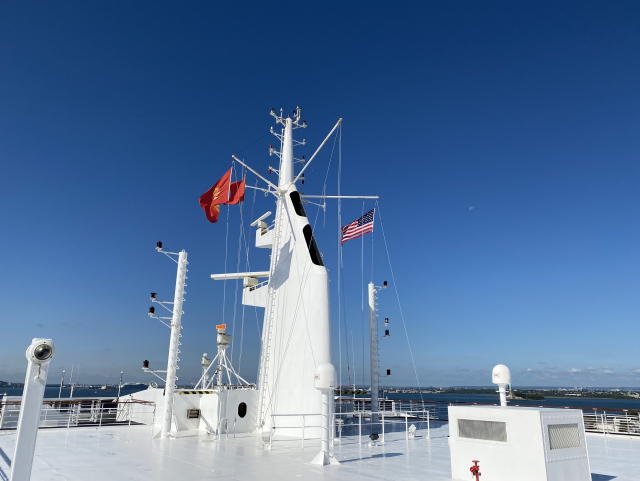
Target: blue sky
502,138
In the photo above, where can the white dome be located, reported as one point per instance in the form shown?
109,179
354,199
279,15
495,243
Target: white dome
501,375
325,377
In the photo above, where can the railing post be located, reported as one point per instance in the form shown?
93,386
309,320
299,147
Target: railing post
303,431
406,426
101,408
383,426
360,428
428,427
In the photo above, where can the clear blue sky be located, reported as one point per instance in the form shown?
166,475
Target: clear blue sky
502,137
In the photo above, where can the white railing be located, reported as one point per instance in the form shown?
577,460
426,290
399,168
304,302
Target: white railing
68,413
598,420
612,423
388,421
303,428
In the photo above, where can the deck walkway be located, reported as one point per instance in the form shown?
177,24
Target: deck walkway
130,453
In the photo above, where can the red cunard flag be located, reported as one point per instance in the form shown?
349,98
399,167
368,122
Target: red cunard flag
222,192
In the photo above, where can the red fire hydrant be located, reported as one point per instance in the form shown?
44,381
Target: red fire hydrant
475,470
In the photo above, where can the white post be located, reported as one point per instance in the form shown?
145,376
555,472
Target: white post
61,384
503,395
39,353
406,426
322,459
373,349
172,364
428,427
286,164
325,382
120,386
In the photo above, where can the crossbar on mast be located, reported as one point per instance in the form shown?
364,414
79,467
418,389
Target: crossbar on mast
238,160
316,152
341,196
239,275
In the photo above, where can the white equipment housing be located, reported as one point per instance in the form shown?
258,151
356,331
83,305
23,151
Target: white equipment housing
518,443
218,411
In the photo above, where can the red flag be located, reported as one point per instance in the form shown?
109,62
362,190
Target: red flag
218,194
236,193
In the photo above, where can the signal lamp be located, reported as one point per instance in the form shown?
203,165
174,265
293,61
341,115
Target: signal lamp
153,296
152,311
145,364
158,246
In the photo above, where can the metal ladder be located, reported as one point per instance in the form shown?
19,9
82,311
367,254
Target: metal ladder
269,314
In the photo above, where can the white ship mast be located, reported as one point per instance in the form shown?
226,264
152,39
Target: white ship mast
296,335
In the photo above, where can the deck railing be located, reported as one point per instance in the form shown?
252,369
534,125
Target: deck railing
67,413
596,420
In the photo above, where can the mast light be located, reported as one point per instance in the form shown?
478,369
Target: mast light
153,296
158,245
152,311
145,364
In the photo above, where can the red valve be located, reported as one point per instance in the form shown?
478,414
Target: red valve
475,470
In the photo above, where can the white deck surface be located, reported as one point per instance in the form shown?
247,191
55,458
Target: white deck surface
130,453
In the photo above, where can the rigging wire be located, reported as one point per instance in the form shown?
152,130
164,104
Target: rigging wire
395,287
235,297
339,257
246,247
226,246
259,138
362,296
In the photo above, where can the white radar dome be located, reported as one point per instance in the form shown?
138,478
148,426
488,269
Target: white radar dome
325,377
501,375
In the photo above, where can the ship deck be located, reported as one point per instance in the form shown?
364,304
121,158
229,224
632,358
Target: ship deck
130,453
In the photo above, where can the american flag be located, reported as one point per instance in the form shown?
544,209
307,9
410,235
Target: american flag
358,228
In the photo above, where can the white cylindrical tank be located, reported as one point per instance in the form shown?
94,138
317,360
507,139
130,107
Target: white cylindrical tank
325,377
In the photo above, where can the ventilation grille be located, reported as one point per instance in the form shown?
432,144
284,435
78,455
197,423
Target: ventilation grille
486,430
564,436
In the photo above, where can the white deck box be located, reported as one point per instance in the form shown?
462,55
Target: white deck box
518,443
